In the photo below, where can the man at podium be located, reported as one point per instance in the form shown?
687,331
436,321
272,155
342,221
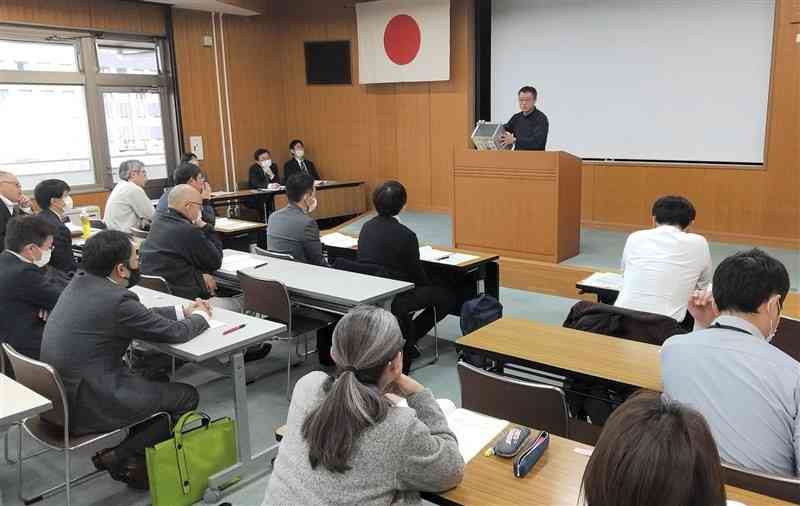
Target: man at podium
526,130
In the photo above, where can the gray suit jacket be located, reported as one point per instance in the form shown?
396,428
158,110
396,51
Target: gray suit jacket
292,231
85,338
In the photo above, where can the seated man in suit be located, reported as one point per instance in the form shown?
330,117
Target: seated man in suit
52,196
663,265
386,242
128,205
298,164
264,172
747,389
12,202
85,338
189,173
26,295
291,230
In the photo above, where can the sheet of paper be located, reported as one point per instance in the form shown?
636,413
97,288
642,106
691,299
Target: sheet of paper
215,324
429,254
610,280
229,224
457,259
338,240
233,263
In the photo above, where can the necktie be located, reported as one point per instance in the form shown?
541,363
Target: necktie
303,165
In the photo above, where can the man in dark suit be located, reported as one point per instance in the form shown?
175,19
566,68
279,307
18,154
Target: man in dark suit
12,202
264,172
527,130
386,242
26,296
291,229
52,196
181,247
298,163
85,338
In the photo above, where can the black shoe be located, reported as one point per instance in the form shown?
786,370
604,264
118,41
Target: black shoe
414,352
257,352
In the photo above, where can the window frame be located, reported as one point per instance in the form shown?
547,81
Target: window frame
95,83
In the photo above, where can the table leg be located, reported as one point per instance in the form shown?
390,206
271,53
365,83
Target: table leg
249,466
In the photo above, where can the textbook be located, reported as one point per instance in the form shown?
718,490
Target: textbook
473,430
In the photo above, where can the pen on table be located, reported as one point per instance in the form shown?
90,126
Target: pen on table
234,329
260,265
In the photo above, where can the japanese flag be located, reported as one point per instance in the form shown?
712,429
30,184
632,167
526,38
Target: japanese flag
403,41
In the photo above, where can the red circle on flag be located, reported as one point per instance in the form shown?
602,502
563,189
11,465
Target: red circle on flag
402,39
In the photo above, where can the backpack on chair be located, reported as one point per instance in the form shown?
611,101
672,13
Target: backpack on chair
477,313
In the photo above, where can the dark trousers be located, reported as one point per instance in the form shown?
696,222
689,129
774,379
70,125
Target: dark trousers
407,303
176,399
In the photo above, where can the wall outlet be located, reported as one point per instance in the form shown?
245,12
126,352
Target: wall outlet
196,144
208,41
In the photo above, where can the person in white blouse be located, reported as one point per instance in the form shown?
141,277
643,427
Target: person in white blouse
128,205
662,266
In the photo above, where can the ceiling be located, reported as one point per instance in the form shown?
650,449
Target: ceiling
225,6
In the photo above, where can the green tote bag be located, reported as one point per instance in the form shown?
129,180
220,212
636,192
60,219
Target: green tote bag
178,468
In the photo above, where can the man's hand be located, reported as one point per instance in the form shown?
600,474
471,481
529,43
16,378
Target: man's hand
197,305
206,193
507,139
703,308
211,284
24,202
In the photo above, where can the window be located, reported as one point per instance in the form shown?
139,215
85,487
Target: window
74,107
118,57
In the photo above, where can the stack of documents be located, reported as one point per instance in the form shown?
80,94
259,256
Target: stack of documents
337,240
231,264
426,253
608,280
229,224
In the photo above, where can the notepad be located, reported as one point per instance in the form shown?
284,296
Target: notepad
235,263
473,430
337,240
457,259
609,280
431,255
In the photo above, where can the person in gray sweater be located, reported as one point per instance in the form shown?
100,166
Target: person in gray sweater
347,443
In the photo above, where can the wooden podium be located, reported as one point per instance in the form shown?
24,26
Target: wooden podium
523,204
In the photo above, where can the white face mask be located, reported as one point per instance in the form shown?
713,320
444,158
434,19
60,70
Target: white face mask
68,204
299,153
773,330
266,164
46,253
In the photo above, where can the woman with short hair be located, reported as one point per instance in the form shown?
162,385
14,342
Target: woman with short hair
656,452
347,443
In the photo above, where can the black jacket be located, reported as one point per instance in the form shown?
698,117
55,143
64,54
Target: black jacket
258,179
85,339
386,242
24,292
62,257
530,131
620,322
5,216
292,167
181,253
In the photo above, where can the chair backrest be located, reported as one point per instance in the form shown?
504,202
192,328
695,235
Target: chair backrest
139,233
521,402
273,254
266,297
156,283
42,379
787,337
787,489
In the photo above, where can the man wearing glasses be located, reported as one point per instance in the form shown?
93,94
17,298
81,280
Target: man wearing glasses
12,202
128,205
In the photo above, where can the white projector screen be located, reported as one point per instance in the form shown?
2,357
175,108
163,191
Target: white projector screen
661,80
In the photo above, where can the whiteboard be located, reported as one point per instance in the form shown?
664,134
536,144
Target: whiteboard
679,80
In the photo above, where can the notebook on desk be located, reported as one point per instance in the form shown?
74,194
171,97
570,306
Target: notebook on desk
473,430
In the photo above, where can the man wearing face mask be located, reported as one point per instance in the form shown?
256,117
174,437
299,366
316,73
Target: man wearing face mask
291,230
85,338
747,389
26,295
52,196
299,164
264,172
12,202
